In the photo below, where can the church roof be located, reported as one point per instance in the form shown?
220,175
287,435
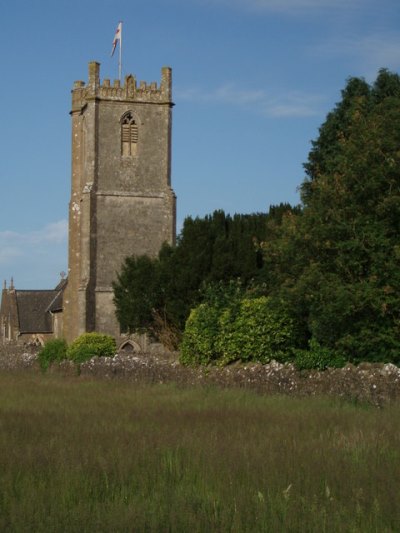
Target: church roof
34,310
56,305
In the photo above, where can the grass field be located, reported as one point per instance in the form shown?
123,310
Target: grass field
98,456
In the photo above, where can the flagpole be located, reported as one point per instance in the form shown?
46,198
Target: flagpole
120,55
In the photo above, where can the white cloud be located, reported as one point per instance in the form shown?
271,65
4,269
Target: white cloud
8,254
15,245
290,6
256,100
229,94
370,52
55,232
226,94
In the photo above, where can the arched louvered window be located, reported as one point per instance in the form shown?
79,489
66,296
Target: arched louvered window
129,135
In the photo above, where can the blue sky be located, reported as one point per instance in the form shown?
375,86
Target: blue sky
252,81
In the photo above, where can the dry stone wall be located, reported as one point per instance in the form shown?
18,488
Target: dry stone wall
376,384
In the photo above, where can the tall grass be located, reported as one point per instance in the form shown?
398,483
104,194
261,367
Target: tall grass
100,456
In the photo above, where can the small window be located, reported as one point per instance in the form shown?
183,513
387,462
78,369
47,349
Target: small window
129,135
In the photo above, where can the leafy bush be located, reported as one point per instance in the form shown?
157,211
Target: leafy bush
318,357
54,350
201,332
254,331
245,329
89,345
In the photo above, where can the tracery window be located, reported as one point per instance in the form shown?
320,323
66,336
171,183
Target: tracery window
129,135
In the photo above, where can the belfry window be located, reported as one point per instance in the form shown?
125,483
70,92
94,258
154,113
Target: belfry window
129,135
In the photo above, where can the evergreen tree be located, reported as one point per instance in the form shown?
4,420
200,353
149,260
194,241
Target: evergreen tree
337,264
215,248
137,293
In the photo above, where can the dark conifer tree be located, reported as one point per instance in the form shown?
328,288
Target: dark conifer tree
337,263
216,248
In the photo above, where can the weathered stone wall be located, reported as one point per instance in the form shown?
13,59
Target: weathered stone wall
18,357
145,233
377,384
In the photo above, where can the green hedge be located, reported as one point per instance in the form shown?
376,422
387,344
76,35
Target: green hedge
89,345
318,357
54,350
248,329
254,331
200,335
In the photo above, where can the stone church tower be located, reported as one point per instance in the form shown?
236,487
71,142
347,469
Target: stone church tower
122,202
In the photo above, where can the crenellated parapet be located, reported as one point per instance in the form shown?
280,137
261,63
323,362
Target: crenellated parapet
128,91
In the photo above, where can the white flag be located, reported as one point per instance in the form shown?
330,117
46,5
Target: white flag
117,37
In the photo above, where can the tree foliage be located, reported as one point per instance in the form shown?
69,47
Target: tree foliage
137,293
234,325
253,330
318,357
89,345
54,351
329,267
338,262
215,248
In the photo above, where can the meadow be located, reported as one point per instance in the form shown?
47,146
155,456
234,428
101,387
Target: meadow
89,455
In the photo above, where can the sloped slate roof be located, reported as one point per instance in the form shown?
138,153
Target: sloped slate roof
57,304
34,310
62,284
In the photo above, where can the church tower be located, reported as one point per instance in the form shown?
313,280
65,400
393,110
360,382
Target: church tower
122,202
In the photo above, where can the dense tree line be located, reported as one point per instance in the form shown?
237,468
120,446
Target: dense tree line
157,294
330,266
336,265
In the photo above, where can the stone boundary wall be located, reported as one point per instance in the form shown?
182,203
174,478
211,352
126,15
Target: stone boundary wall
376,384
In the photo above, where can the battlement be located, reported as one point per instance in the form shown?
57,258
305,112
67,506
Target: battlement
129,90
